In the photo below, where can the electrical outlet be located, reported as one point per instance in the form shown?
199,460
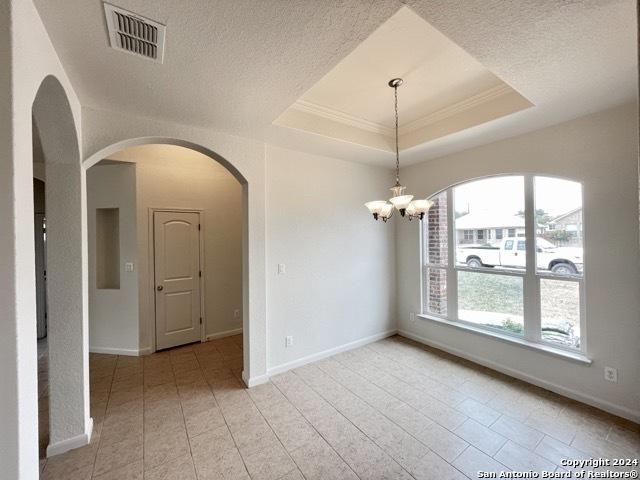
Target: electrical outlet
236,313
412,317
288,341
611,374
282,269
128,267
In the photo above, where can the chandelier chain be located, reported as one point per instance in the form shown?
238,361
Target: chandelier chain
395,90
405,204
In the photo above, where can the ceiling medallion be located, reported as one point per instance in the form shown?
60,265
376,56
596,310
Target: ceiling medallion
405,204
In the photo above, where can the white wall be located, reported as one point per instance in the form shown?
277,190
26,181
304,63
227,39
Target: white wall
339,285
26,59
113,313
345,187
170,176
107,132
601,151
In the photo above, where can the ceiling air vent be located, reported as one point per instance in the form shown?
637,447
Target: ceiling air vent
135,34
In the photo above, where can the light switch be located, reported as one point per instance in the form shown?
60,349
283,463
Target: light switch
282,269
128,267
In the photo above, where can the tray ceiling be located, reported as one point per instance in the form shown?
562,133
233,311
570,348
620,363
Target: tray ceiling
445,89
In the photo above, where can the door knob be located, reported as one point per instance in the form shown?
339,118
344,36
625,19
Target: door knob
160,288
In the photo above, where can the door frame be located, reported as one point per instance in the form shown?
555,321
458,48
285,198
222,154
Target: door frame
152,270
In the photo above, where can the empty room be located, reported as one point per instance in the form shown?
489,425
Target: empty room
321,240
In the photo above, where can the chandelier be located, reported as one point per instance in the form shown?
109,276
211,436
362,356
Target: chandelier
405,204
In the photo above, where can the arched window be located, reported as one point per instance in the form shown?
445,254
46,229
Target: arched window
481,270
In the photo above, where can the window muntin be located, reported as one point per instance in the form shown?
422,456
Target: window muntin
554,311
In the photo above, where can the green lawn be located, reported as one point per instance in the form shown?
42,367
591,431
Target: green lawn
497,301
490,293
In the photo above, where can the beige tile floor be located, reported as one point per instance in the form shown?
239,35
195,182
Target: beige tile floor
43,396
391,410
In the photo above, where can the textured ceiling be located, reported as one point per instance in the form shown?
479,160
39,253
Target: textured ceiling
444,90
232,65
236,65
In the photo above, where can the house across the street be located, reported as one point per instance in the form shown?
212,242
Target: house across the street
566,227
488,227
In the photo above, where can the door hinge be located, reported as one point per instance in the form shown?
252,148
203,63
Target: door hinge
200,320
199,227
200,273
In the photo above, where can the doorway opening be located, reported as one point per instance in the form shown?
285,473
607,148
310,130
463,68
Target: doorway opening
40,248
166,267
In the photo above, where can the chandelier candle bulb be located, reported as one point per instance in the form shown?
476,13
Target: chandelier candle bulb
405,204
386,211
401,202
375,207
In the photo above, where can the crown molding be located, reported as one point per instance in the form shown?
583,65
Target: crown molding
341,117
456,108
422,122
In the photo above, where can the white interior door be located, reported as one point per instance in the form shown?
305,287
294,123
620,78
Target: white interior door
177,278
41,274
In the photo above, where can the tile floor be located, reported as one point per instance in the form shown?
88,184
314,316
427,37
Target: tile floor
390,410
43,397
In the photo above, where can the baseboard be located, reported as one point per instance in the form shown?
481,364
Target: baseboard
327,353
131,352
227,333
629,414
71,443
255,381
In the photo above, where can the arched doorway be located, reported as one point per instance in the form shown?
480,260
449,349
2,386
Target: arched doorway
70,424
246,303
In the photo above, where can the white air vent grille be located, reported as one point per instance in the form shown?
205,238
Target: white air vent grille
135,34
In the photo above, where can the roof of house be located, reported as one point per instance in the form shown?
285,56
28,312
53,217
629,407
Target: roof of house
566,214
488,220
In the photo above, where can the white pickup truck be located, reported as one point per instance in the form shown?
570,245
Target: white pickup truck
512,253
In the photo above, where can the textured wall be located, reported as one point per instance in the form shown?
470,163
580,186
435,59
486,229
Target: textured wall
173,177
113,313
601,151
27,57
108,132
340,264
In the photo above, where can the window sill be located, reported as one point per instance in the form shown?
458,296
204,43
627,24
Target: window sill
577,357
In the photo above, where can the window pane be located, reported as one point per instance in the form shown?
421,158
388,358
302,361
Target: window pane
486,210
436,231
559,224
491,300
436,294
560,312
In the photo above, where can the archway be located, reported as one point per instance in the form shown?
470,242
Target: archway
246,303
70,424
